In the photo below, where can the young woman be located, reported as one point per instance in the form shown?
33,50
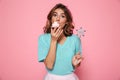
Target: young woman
58,47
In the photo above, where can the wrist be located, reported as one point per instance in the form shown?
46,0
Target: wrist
53,41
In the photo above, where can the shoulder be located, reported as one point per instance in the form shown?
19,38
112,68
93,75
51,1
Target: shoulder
74,37
45,36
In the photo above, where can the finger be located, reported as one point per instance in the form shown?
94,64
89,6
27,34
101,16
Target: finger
61,30
78,54
76,62
74,58
53,29
79,57
59,33
57,30
79,61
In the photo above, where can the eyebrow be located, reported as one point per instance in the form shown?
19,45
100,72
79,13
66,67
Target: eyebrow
56,13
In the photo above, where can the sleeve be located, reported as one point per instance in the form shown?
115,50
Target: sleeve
78,46
42,49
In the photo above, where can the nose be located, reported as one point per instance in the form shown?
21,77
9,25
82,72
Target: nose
58,18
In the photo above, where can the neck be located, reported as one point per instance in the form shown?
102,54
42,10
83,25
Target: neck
62,38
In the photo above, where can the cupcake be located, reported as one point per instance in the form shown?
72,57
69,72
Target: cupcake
55,24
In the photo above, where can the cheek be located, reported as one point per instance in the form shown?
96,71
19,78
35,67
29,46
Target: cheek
53,19
63,21
62,24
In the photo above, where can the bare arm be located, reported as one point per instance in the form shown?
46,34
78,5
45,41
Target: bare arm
50,59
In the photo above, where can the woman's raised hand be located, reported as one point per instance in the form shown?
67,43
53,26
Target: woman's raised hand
56,32
77,60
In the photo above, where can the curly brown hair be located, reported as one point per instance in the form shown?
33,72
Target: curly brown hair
68,28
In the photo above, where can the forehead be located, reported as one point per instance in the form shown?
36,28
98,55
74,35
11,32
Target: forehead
59,10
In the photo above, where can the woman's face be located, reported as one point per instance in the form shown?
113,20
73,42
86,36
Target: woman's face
59,16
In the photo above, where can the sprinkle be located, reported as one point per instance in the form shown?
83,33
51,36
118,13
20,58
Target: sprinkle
80,32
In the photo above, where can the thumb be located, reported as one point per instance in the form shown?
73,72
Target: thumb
77,61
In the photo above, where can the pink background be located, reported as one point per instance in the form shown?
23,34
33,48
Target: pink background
21,22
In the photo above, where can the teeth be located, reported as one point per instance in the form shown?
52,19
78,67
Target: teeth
55,24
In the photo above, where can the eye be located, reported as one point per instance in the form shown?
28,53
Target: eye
54,15
63,16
